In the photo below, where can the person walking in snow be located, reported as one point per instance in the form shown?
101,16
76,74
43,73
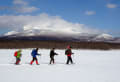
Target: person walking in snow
34,54
18,55
68,52
52,54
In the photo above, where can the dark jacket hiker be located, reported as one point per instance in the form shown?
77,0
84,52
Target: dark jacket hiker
52,54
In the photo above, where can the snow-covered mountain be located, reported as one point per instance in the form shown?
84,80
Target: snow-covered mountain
34,32
103,37
39,35
55,35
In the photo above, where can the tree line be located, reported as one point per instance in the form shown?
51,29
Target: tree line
15,44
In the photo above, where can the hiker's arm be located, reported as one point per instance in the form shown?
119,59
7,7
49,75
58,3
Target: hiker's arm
56,53
38,54
20,55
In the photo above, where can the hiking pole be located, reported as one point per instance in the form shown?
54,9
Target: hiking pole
73,58
12,61
39,57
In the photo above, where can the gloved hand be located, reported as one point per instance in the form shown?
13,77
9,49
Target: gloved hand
39,54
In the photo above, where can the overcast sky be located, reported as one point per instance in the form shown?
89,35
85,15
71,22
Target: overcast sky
74,16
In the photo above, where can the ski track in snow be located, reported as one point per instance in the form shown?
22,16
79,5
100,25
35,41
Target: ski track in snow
90,66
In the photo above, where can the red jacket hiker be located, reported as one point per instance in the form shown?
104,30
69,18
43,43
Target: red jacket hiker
68,52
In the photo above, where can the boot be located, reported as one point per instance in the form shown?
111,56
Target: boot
31,62
17,62
37,62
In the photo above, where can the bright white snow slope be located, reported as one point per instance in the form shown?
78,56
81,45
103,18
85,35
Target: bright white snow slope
90,66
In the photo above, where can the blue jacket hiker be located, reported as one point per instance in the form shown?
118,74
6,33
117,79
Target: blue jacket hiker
34,53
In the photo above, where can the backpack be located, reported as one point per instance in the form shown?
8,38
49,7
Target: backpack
66,52
15,54
33,52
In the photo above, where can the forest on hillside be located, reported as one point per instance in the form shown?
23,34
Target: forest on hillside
13,44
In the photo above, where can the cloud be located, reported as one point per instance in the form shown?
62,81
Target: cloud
20,6
5,7
23,7
19,2
26,9
90,12
43,22
111,5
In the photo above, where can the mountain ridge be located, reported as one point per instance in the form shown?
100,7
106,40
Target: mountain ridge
59,36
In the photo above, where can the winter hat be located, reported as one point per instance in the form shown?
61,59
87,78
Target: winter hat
68,46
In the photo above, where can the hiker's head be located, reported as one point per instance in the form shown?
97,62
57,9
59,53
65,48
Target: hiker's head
37,49
69,47
20,50
53,48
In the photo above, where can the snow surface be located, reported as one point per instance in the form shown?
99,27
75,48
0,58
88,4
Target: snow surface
90,66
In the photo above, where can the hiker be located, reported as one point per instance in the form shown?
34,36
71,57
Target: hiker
68,52
52,54
34,53
18,55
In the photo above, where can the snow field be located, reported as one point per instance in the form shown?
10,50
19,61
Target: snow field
90,66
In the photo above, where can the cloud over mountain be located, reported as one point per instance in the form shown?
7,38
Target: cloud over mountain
43,22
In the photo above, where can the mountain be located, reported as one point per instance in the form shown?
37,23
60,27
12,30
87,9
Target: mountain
39,35
103,37
58,36
115,40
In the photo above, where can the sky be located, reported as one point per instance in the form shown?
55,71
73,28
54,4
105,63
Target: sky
74,16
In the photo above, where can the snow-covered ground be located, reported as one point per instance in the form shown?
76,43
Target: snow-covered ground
90,66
